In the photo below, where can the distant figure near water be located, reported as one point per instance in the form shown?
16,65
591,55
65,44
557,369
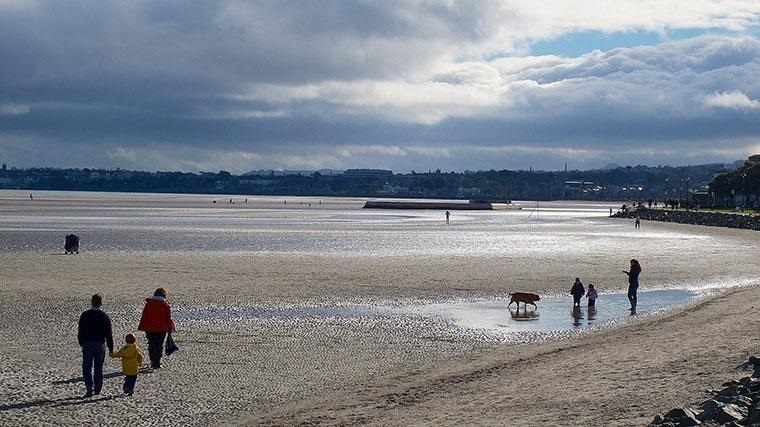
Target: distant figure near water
447,216
633,282
637,222
591,295
71,244
577,292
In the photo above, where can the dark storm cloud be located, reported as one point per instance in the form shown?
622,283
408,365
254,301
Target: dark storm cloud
402,85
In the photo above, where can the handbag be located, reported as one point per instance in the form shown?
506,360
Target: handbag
171,346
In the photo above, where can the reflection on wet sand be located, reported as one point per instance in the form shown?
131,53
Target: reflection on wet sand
523,314
576,315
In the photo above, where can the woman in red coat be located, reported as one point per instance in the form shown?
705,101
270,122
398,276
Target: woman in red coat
156,322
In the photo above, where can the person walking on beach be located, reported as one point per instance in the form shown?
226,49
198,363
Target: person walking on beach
591,295
633,282
94,335
156,321
131,359
637,222
447,216
577,292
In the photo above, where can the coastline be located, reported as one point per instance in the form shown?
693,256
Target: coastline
713,219
384,370
622,376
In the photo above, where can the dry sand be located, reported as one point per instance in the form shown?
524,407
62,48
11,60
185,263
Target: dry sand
384,371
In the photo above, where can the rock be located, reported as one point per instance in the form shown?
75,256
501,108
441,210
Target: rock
739,400
677,417
751,364
753,418
733,390
723,413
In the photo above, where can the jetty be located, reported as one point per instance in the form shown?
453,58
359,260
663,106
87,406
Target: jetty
479,205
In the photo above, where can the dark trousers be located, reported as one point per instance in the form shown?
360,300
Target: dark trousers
591,302
577,299
155,347
129,383
93,356
632,288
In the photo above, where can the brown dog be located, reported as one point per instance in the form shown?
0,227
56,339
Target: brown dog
523,297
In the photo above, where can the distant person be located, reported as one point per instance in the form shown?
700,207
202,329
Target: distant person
246,200
610,211
71,244
591,295
637,222
156,321
131,359
633,282
577,292
650,203
94,335
30,196
448,214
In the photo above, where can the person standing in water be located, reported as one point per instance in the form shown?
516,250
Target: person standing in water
591,295
633,282
577,292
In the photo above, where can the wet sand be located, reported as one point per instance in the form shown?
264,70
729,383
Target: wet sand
375,370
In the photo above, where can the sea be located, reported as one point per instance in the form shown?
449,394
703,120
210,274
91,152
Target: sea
37,221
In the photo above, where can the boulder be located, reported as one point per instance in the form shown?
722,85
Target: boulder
740,400
722,413
677,417
753,417
733,390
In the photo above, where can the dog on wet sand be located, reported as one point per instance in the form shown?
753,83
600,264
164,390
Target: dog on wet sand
523,297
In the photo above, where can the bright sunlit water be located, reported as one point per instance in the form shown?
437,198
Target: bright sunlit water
547,235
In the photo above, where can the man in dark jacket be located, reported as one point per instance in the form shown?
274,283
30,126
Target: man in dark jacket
94,335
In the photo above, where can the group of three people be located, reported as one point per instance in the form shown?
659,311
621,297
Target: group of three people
95,334
578,290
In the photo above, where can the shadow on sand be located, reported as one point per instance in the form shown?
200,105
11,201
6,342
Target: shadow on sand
52,403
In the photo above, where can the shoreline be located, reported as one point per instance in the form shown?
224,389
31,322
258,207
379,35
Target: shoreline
377,370
591,382
711,219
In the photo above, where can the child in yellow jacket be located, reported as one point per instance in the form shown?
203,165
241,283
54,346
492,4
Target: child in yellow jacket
131,359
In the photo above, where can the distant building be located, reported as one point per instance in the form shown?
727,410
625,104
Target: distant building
368,173
578,185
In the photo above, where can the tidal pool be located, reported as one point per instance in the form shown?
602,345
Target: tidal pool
553,314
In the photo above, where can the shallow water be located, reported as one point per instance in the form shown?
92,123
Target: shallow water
553,314
182,223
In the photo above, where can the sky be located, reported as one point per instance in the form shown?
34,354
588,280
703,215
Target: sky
400,85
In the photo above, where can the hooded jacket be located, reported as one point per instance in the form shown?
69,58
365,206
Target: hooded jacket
156,316
131,358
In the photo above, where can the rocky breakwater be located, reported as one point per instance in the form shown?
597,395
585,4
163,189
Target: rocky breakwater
738,404
715,219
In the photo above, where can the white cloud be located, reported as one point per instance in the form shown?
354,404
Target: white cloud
734,99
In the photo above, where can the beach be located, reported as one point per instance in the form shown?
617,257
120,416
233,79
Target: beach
263,340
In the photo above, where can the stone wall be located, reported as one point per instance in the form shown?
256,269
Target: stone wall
730,220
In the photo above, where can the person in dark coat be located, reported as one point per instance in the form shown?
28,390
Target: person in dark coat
577,292
633,282
94,335
156,321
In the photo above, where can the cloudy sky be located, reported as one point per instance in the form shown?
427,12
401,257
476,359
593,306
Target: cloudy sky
401,85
